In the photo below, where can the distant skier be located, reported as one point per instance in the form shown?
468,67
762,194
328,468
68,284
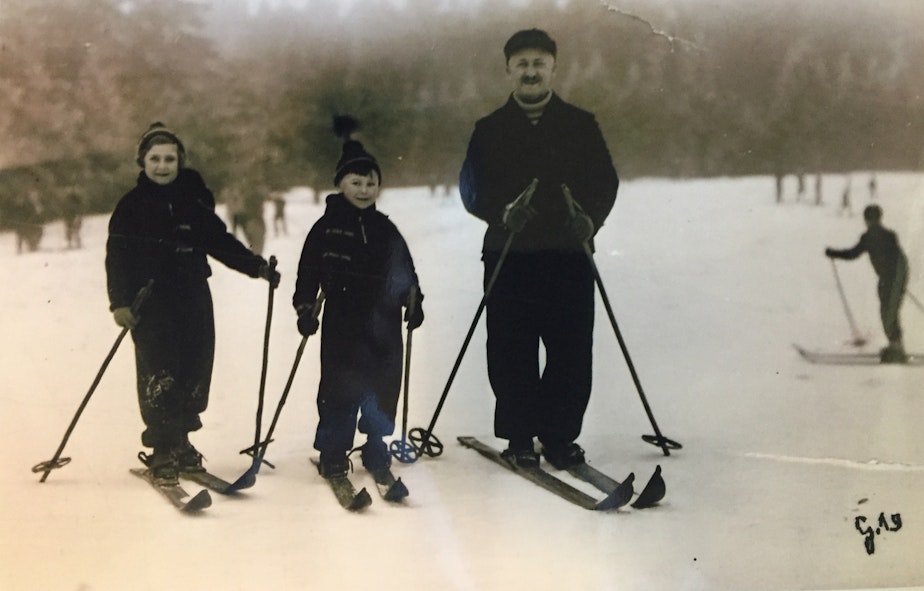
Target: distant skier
873,191
73,218
280,228
891,266
162,230
845,201
818,198
360,261
544,293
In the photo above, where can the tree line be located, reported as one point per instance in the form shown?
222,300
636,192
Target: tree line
692,88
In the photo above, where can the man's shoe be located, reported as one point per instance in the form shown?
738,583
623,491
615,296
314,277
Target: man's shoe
521,454
894,353
564,456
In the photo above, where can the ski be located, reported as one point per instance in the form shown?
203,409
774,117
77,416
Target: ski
346,493
175,493
546,480
833,358
652,493
212,482
391,489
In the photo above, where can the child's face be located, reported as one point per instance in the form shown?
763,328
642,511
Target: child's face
162,163
360,190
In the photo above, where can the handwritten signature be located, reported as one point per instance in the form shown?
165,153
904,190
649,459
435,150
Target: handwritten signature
870,532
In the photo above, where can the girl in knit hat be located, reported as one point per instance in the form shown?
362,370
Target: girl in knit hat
162,230
361,263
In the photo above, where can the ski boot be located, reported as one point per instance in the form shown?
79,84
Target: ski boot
163,467
893,353
334,465
521,454
188,458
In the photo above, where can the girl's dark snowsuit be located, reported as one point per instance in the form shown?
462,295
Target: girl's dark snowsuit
363,265
891,267
164,232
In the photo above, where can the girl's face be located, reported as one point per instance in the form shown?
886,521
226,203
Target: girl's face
162,163
360,190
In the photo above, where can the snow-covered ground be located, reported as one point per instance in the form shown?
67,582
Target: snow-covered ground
711,281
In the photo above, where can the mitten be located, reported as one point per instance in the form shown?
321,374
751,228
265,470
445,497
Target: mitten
413,313
829,252
270,274
308,323
125,318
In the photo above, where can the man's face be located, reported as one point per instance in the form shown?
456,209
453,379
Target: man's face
531,71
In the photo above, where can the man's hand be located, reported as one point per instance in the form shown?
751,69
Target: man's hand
581,226
518,212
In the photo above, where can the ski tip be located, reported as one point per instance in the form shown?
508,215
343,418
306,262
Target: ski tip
202,500
653,492
361,500
245,481
620,496
397,492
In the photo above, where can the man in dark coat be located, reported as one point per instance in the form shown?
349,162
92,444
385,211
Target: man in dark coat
545,288
891,267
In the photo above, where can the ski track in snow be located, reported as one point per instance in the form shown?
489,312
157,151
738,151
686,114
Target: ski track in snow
874,465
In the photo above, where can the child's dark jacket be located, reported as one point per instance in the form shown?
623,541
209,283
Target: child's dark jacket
164,232
361,262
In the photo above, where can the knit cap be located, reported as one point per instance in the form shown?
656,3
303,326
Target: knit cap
155,130
354,158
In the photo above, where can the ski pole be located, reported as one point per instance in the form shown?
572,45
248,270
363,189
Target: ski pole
423,439
261,451
858,340
57,461
915,301
247,478
402,450
657,439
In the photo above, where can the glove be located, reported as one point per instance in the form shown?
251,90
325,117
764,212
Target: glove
308,323
581,226
518,212
413,312
271,275
829,252
125,318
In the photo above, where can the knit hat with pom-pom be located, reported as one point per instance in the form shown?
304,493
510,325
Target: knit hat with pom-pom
354,158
